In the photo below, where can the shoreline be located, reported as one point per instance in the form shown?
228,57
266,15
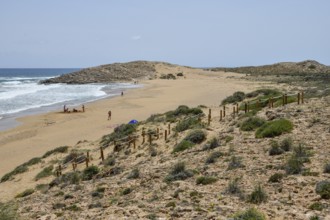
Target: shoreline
39,133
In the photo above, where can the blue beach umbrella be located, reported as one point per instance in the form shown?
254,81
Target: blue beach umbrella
133,121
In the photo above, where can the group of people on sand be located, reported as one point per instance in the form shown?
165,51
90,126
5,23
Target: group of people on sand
66,110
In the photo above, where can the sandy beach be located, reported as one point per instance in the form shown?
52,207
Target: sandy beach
40,133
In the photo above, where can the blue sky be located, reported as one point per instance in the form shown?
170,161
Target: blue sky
200,33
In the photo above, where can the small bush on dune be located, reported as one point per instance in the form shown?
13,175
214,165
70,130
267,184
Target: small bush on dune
286,144
67,178
236,97
274,128
252,123
135,174
294,165
326,168
205,180
258,195
47,171
323,189
266,93
276,178
187,124
233,187
62,149
213,157
25,193
183,145
8,211
178,172
20,169
234,163
118,133
250,214
275,149
90,172
109,161
196,136
316,206
211,144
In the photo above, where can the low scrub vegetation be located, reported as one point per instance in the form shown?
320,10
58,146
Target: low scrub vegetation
235,162
236,97
46,172
119,132
193,137
25,193
213,157
275,149
205,180
211,144
182,110
326,168
274,128
187,124
252,123
183,145
323,189
249,214
90,172
20,169
258,195
178,172
62,149
276,178
8,211
233,187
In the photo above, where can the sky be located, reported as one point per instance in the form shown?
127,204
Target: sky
198,33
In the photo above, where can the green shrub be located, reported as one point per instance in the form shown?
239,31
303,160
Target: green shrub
205,180
233,187
20,169
294,165
73,208
323,189
326,168
71,156
62,149
213,157
258,195
286,144
187,124
89,172
170,204
47,171
67,178
236,97
276,178
316,206
109,161
25,193
156,118
126,191
275,149
252,123
314,217
249,214
234,163
135,173
196,136
183,145
211,144
266,93
274,128
179,74
302,153
118,133
8,211
178,172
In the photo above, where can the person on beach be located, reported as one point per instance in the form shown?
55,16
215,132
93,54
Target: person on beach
64,108
122,93
83,108
109,115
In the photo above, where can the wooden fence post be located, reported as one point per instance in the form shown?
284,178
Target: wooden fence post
169,128
220,115
298,98
234,111
237,109
302,97
224,111
87,158
129,141
143,137
209,119
283,100
165,134
60,169
157,133
210,111
134,142
150,138
102,154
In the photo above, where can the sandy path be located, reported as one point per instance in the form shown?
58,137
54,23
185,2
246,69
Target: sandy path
41,133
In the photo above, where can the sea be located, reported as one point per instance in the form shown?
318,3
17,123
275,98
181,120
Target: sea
21,93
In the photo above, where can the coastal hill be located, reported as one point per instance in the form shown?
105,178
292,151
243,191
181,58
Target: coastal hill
116,72
304,67
123,72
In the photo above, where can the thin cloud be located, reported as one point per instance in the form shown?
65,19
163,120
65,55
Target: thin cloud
136,37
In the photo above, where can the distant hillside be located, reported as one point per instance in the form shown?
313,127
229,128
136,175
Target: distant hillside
304,67
116,72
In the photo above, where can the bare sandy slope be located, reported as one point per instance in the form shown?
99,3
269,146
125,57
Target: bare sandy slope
41,133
